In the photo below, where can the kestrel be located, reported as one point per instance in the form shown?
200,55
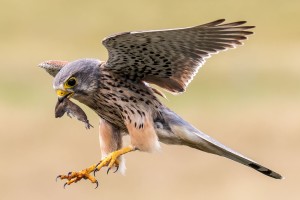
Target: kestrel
118,90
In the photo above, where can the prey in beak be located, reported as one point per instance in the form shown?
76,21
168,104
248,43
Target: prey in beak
64,105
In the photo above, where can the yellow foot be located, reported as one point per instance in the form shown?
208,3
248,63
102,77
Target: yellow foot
110,161
74,177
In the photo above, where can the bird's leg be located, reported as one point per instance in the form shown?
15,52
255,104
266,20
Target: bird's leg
110,160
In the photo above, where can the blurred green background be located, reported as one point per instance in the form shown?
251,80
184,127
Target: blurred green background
247,98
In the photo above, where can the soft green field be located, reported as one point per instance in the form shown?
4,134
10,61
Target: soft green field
248,98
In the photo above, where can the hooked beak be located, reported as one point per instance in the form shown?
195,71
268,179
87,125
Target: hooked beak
62,94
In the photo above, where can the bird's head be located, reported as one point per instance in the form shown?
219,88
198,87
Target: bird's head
77,79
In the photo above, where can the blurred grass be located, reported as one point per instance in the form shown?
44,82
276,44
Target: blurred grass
247,98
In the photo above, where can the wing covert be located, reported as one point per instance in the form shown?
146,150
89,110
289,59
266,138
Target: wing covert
170,58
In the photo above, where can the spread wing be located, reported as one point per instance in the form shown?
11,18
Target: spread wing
53,66
170,58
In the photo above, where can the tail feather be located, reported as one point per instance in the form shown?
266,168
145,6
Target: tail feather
233,155
172,129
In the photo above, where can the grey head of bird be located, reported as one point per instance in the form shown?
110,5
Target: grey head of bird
78,79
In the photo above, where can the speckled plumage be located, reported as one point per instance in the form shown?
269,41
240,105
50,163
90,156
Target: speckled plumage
118,90
170,58
123,100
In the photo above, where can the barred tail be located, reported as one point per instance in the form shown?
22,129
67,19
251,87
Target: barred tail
172,129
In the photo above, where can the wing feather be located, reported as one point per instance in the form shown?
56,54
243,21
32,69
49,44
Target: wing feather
170,58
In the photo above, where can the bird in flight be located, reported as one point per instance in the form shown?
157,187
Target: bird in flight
119,90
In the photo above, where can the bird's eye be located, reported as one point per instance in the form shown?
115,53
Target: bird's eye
71,82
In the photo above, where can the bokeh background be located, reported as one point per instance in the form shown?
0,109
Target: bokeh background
248,98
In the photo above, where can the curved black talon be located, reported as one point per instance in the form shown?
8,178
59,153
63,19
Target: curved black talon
95,171
57,177
65,185
97,184
108,170
117,168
